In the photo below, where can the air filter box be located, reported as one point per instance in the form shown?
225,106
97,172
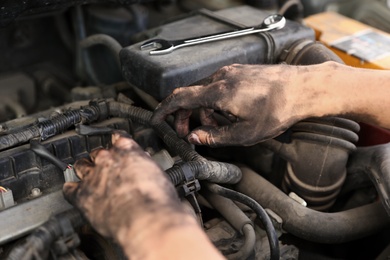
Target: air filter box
159,75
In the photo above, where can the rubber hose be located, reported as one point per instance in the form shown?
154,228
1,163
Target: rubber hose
234,215
102,39
259,210
212,171
248,246
164,131
328,228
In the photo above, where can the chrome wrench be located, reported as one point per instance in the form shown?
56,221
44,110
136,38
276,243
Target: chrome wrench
162,46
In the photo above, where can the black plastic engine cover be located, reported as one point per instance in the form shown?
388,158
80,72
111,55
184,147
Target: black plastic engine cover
159,75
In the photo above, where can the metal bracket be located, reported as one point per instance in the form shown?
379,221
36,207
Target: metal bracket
69,239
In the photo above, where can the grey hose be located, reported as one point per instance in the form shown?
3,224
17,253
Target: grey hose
328,228
84,67
249,243
102,39
234,215
257,208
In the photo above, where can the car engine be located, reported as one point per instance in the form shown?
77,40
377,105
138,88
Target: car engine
75,71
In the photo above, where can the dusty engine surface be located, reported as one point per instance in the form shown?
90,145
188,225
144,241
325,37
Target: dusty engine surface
73,71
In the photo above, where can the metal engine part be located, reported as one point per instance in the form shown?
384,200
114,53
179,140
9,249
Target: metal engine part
49,72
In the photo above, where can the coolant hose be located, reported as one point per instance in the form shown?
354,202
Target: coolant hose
328,228
373,161
248,246
103,39
212,171
234,215
257,208
164,131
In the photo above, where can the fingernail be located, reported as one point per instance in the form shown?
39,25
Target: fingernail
194,139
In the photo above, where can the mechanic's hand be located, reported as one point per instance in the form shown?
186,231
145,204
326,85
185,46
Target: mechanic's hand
260,100
119,187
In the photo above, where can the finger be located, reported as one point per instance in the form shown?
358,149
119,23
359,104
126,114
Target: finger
229,116
83,167
220,74
182,118
95,153
70,191
124,143
116,134
223,72
207,118
103,157
181,98
233,134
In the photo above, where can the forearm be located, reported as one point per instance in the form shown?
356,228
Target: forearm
359,94
162,236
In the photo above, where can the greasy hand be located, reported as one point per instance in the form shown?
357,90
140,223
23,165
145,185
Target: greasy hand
258,98
120,186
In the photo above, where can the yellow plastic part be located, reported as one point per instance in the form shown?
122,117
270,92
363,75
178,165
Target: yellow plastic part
331,27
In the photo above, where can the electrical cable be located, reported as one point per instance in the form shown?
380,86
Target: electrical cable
41,150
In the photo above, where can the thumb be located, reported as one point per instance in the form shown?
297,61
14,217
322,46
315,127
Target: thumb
70,191
218,136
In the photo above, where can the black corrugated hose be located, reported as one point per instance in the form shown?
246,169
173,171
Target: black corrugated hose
51,127
211,171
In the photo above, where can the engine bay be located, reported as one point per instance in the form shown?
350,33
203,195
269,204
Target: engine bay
74,71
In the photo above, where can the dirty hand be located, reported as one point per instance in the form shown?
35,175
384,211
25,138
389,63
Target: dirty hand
120,188
261,101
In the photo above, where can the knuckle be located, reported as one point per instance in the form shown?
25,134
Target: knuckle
177,91
226,69
219,86
209,140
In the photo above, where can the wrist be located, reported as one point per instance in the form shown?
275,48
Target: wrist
320,90
147,235
356,93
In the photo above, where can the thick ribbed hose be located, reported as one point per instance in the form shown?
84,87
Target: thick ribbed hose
211,171
164,131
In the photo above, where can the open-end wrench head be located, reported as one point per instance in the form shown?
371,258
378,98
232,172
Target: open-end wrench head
156,45
274,21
